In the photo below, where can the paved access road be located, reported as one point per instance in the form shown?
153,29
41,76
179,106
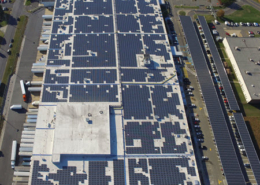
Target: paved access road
13,127
17,10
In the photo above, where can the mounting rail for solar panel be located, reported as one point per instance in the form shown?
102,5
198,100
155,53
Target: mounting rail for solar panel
220,67
249,146
228,156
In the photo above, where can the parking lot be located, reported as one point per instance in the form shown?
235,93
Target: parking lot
240,31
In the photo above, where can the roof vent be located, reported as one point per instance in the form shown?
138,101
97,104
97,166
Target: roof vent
259,48
253,85
237,48
248,72
257,63
251,60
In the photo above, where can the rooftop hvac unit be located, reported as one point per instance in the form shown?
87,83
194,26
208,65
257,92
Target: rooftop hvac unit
251,60
248,72
237,48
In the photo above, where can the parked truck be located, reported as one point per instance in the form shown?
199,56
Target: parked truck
14,107
13,154
23,90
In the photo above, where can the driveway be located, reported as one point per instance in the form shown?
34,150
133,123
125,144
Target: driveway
14,120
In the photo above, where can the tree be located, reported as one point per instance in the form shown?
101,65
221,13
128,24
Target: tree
220,13
2,13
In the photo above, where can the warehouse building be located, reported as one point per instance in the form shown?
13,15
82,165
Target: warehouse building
244,54
111,109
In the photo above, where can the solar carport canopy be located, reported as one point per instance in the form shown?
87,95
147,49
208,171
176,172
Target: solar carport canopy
248,144
220,67
225,146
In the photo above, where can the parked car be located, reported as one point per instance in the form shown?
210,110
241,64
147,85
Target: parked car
247,165
190,94
201,140
236,24
196,126
10,45
250,32
233,35
258,32
9,51
205,158
227,34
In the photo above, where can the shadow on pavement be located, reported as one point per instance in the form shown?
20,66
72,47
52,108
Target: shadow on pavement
235,6
12,21
3,40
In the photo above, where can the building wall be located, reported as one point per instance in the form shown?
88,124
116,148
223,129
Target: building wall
237,71
48,3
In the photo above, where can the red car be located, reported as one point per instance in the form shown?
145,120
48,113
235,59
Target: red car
225,100
220,88
227,34
213,27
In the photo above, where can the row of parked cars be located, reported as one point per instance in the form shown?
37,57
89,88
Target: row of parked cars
227,23
238,139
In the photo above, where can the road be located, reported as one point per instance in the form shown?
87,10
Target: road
254,4
14,120
17,10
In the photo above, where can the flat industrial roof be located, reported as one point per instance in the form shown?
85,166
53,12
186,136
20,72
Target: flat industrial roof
248,49
112,54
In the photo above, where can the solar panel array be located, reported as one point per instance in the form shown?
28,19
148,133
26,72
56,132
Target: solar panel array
248,144
220,67
229,159
93,56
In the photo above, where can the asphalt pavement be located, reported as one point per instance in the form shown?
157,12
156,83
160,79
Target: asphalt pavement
17,10
14,120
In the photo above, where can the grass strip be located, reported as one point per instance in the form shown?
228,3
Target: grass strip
245,14
28,2
12,59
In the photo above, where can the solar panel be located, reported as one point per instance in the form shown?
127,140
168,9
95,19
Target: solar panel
93,93
225,146
93,76
97,173
94,24
220,67
248,144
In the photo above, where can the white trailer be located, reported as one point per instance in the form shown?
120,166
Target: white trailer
14,107
23,90
13,154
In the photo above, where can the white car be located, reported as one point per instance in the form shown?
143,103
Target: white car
215,32
196,119
227,23
216,22
233,35
190,94
201,140
205,158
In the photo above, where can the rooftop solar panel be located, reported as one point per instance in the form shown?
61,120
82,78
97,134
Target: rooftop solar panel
94,7
229,159
128,23
126,6
94,24
248,144
220,67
